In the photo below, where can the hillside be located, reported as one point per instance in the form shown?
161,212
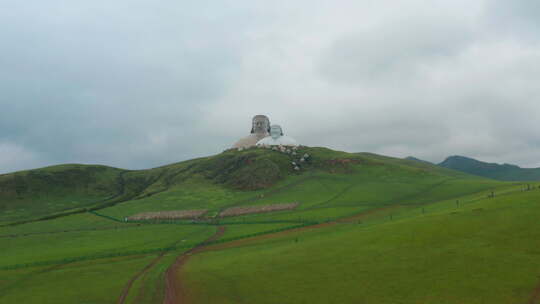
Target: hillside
52,190
355,217
505,172
65,189
481,252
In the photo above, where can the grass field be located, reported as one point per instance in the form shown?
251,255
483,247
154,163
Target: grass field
486,252
395,231
96,281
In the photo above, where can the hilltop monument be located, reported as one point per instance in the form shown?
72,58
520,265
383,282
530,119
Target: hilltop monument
260,128
277,138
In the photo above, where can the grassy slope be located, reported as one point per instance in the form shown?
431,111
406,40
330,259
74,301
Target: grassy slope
40,192
95,280
57,246
484,252
324,188
218,182
227,179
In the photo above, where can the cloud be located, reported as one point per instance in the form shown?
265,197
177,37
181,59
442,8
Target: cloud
14,158
518,20
393,52
138,84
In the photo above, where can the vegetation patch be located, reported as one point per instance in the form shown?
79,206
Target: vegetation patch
168,215
235,211
257,175
341,165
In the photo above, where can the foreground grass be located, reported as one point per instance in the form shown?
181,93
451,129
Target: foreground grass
90,282
96,280
55,247
487,252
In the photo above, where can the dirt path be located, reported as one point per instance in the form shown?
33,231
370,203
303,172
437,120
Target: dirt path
535,297
174,289
129,284
127,288
176,293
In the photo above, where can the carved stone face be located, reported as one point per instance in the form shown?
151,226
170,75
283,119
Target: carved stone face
260,124
275,131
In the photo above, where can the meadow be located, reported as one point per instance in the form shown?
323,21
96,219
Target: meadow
484,252
367,229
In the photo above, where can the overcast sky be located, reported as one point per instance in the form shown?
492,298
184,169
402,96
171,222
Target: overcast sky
141,83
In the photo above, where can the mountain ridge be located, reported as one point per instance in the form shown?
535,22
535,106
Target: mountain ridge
503,172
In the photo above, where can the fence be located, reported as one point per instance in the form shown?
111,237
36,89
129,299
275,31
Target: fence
210,222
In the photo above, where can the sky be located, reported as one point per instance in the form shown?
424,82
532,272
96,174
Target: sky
142,83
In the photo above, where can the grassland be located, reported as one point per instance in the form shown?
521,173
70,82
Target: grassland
484,252
96,281
399,231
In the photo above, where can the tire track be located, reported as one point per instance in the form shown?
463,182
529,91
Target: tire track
174,289
176,292
129,284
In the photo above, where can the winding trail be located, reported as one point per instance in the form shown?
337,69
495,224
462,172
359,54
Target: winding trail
129,284
176,293
174,289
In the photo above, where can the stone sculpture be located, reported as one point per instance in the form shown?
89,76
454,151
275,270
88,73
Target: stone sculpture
277,138
260,128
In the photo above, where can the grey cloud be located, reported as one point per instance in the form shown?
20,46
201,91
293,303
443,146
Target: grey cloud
14,157
514,20
100,88
142,83
395,50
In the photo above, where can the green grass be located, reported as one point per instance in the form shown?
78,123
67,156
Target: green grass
239,230
96,280
58,246
193,194
487,252
82,221
419,247
35,193
89,282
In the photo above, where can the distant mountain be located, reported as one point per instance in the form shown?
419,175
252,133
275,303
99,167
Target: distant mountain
505,172
417,159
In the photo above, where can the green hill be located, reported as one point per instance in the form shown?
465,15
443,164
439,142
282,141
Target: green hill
207,182
367,228
505,172
47,191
